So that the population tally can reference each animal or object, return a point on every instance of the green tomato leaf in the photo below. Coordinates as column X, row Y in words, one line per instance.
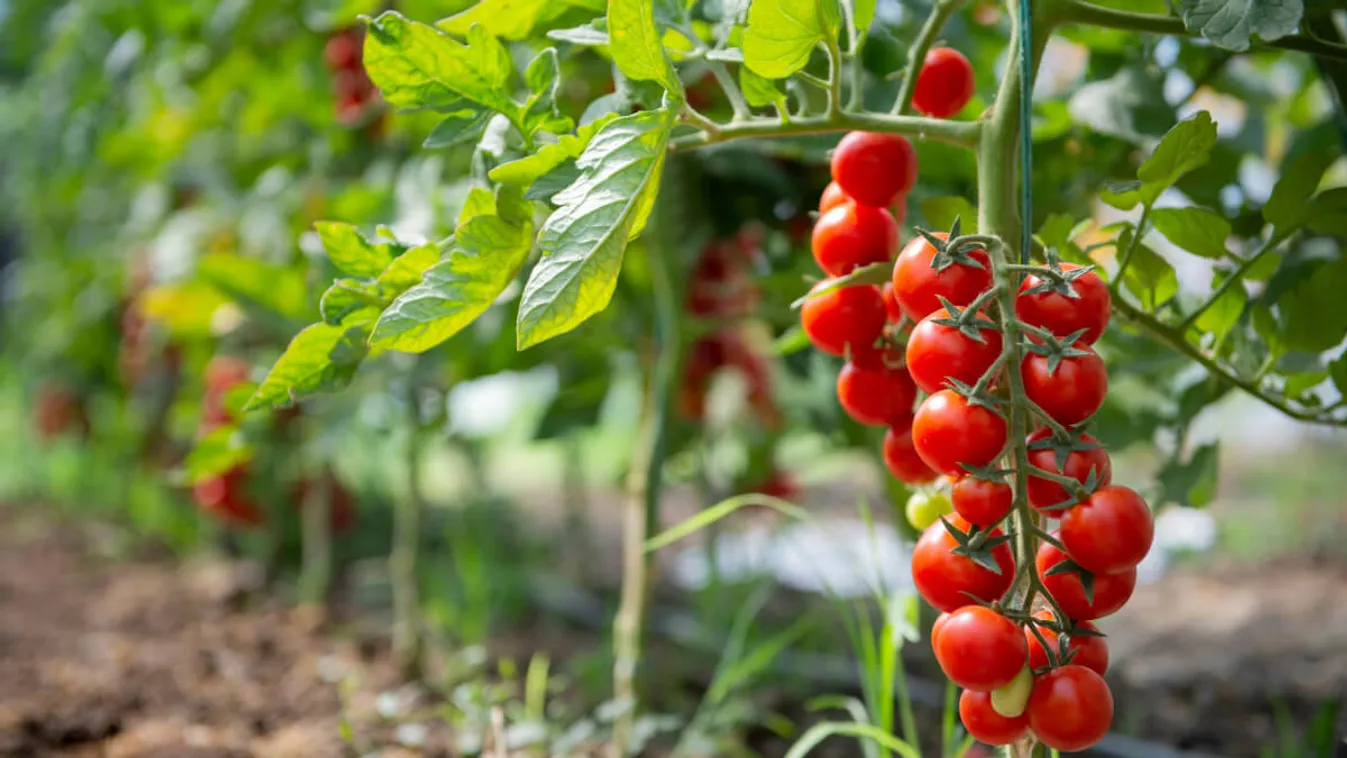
column 188, row 309
column 515, row 20
column 347, row 296
column 1328, row 212
column 1231, row 24
column 417, row 66
column 1224, row 313
column 545, row 187
column 1122, row 195
column 351, row 252
column 1338, row 371
column 1184, row 148
column 526, row 170
column 1149, row 276
column 636, row 45
column 862, row 14
column 321, row 358
column 1197, row 230
column 940, row 213
column 782, row 34
column 760, row 91
column 487, row 253
column 1288, row 206
column 583, row 241
column 1191, row 482
column 457, row 127
column 1314, row 312
column 250, row 281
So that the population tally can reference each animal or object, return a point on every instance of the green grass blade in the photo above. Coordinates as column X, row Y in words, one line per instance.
column 820, row 732
column 719, row 511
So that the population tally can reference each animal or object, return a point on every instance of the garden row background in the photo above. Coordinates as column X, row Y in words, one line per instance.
column 178, row 179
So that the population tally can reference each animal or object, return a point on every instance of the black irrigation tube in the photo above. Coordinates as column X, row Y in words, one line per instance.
column 583, row 608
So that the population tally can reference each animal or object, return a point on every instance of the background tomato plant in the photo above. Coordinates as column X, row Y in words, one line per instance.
column 388, row 214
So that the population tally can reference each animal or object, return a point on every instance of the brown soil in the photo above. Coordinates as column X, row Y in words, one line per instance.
column 141, row 659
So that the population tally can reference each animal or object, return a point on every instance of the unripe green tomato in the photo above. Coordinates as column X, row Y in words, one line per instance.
column 925, row 507
column 1010, row 700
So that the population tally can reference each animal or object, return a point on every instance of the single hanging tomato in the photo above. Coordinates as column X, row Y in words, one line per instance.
column 918, row 287
column 852, row 235
column 1110, row 531
column 1064, row 315
column 925, row 507
column 874, row 169
column 948, row 581
column 982, row 721
column 876, row 396
column 980, row 501
column 832, row 197
column 1073, row 392
column 948, row 432
column 979, row 649
column 944, row 85
column 844, row 318
column 937, row 625
column 1111, row 591
column 1088, row 650
column 901, row 457
column 936, row 352
column 1071, row 708
column 1044, row 493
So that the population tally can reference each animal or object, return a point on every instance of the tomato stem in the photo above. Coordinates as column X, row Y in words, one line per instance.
column 959, row 133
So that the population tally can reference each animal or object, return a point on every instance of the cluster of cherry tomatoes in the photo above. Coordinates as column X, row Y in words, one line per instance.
column 353, row 91
column 930, row 331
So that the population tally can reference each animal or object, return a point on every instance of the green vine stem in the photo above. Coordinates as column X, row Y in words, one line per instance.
column 916, row 55
column 407, row 648
column 1237, row 276
column 960, row 133
column 315, row 576
column 640, row 509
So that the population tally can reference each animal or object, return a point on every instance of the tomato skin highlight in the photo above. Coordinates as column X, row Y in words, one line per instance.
column 880, row 396
column 844, row 318
column 937, row 626
column 832, row 197
column 981, row 502
column 944, row 84
column 1111, row 591
column 918, row 287
column 947, row 432
column 942, row 578
column 1070, row 709
column 1072, row 393
column 985, row 724
column 1062, row 315
column 874, row 169
column 936, row 352
column 901, row 458
column 1089, row 651
column 1110, row 531
column 852, row 235
column 979, row 649
column 1044, row 493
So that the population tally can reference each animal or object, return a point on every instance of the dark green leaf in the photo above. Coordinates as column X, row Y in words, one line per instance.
column 486, row 254
column 321, row 358
column 1288, row 206
column 1314, row 311
column 1338, row 371
column 1224, row 313
column 545, row 187
column 1191, row 482
column 1150, row 277
column 1328, row 212
column 1197, row 230
column 636, row 46
column 1130, row 106
column 583, row 241
column 1184, row 148
column 417, row 66
column 460, row 126
column 782, row 34
column 940, row 213
column 1231, row 24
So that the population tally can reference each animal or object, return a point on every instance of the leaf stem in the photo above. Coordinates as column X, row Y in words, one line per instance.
column 406, row 538
column 1137, row 234
column 1275, row 240
column 916, row 55
column 834, row 76
column 960, row 133
column 1081, row 12
column 742, row 111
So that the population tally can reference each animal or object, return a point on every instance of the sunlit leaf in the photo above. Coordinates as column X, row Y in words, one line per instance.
column 528, row 169
column 514, row 19
column 636, row 46
column 278, row 289
column 782, row 34
column 1224, row 312
column 760, row 91
column 1184, row 148
column 351, row 252
column 1197, row 230
column 186, row 310
column 321, row 358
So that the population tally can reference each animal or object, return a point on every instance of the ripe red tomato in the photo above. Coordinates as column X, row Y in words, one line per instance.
column 226, row 496
column 1110, row 531
column 901, row 457
column 832, row 197
column 943, row 578
column 979, row 649
column 1079, row 463
column 1073, row 392
column 1111, row 591
column 1087, row 650
column 919, row 287
column 1063, row 315
column 844, row 318
column 342, row 51
column 891, row 307
column 948, row 432
column 936, row 352
column 874, row 169
column 852, row 235
column 980, row 501
column 937, row 626
column 876, row 396
column 985, row 724
column 945, row 84
column 1070, row 709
